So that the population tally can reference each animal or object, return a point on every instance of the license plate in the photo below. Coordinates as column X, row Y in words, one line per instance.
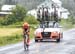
column 46, row 33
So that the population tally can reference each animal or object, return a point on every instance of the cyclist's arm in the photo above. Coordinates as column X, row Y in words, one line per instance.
column 23, row 30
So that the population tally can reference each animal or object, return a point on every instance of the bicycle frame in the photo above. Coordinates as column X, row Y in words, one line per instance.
column 25, row 41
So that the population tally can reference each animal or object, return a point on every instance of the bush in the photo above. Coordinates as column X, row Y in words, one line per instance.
column 1, row 21
column 14, row 38
column 71, row 19
column 31, row 20
column 66, row 24
column 10, row 39
column 18, row 14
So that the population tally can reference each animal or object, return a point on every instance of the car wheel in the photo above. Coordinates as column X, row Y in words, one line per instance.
column 62, row 35
column 58, row 40
column 41, row 40
column 36, row 40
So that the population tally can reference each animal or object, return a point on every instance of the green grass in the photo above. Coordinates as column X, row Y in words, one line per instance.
column 9, row 31
column 14, row 37
column 18, row 26
column 10, row 39
column 66, row 25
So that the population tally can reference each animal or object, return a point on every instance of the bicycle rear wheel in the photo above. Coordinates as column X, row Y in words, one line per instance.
column 26, row 46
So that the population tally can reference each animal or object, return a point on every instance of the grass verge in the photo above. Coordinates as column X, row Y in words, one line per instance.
column 66, row 25
column 14, row 37
column 10, row 39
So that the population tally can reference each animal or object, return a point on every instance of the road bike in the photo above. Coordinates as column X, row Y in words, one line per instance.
column 26, row 46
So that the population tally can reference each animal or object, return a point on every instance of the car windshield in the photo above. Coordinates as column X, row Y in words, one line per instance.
column 49, row 25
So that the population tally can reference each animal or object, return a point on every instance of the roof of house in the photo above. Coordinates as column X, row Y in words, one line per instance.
column 7, row 7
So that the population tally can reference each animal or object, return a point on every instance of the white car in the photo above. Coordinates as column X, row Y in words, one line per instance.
column 48, row 30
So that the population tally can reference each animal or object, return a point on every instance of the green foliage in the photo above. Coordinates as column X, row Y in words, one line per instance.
column 10, row 39
column 66, row 24
column 18, row 14
column 14, row 38
column 71, row 19
column 1, row 20
column 31, row 20
column 18, row 17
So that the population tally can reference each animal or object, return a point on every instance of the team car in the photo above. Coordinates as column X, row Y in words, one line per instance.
column 48, row 30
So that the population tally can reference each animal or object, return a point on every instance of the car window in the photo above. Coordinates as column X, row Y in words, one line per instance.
column 51, row 24
column 56, row 25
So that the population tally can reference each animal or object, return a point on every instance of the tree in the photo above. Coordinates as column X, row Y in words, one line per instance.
column 71, row 19
column 18, row 14
column 31, row 19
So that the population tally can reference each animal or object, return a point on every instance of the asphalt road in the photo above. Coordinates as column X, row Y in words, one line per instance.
column 66, row 46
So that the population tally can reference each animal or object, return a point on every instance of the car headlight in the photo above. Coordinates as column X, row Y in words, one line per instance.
column 55, row 32
column 38, row 34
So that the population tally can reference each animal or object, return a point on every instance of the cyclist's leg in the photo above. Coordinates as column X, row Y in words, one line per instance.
column 24, row 43
column 24, row 38
column 28, row 40
column 27, row 43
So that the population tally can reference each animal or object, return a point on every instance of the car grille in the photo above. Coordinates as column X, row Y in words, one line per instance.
column 46, row 34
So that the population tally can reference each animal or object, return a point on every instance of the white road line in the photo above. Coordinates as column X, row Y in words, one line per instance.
column 21, row 50
column 13, row 46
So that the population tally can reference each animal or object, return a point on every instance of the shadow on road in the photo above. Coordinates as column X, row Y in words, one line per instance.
column 26, row 52
column 47, row 42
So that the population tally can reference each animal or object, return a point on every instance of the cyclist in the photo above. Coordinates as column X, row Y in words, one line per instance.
column 26, row 30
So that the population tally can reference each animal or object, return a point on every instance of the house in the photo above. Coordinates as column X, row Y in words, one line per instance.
column 6, row 10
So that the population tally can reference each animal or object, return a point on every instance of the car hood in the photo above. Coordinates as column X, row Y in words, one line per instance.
column 48, row 30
